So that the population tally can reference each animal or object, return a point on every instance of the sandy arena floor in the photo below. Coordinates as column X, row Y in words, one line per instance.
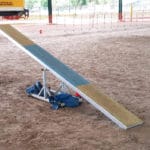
column 118, row 62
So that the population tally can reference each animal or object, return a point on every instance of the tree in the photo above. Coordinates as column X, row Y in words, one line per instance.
column 78, row 2
column 30, row 3
column 83, row 2
column 75, row 2
column 44, row 3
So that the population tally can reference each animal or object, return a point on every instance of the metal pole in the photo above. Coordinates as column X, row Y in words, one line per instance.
column 131, row 12
column 44, row 83
column 120, row 11
column 50, row 15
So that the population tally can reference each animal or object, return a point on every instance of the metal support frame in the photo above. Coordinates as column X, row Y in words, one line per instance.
column 46, row 92
column 63, row 88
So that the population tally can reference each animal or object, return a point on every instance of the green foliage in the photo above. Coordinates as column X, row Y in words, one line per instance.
column 30, row 3
column 86, row 2
column 44, row 3
column 74, row 2
column 104, row 1
column 83, row 2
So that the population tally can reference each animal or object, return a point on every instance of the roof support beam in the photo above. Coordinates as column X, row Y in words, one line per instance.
column 50, row 11
column 120, row 16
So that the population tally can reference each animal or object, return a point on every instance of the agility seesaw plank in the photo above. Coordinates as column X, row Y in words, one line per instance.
column 112, row 109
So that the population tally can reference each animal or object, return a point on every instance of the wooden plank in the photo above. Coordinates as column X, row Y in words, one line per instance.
column 115, row 109
column 16, row 35
column 57, row 66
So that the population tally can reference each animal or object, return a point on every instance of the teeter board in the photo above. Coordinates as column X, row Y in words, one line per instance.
column 112, row 109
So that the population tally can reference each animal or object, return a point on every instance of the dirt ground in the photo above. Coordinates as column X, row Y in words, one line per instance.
column 118, row 62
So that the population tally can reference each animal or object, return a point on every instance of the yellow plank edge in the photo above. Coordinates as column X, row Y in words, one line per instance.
column 114, row 108
column 16, row 35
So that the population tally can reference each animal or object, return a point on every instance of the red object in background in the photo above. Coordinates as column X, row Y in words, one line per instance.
column 40, row 31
